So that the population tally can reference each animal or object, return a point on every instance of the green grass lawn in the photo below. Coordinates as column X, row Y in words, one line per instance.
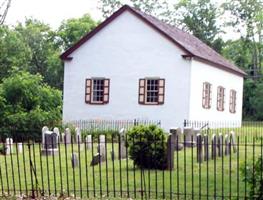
column 55, row 175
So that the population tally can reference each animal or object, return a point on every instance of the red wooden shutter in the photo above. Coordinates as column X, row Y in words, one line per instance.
column 88, row 90
column 209, row 95
column 161, row 88
column 141, row 91
column 204, row 96
column 106, row 92
column 223, row 100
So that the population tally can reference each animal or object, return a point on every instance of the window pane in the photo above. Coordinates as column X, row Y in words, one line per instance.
column 98, row 90
column 152, row 90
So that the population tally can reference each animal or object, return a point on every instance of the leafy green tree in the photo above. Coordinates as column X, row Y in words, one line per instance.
column 248, row 95
column 247, row 19
column 71, row 30
column 157, row 8
column 27, row 103
column 200, row 19
column 257, row 102
column 14, row 52
column 40, row 39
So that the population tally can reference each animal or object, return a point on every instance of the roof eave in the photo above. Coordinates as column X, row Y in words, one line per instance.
column 223, row 67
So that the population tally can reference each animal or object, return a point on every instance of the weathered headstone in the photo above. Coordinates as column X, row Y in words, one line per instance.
column 102, row 147
column 188, row 134
column 96, row 159
column 122, row 145
column 62, row 140
column 19, row 147
column 44, row 130
column 74, row 160
column 199, row 145
column 78, row 138
column 89, row 141
column 50, row 145
column 195, row 132
column 220, row 144
column 9, row 146
column 233, row 141
column 56, row 130
column 214, row 146
column 176, row 138
column 67, row 139
column 170, row 152
column 206, row 148
column 227, row 145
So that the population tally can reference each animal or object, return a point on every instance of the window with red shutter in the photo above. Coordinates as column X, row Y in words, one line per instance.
column 207, row 95
column 232, row 101
column 151, row 91
column 220, row 98
column 97, row 91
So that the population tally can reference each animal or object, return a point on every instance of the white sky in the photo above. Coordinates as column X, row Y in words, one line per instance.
column 54, row 11
column 51, row 11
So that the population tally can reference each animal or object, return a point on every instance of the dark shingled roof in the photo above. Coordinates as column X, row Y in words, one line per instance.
column 189, row 43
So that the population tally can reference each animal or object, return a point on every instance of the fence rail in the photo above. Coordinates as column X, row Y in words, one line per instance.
column 25, row 168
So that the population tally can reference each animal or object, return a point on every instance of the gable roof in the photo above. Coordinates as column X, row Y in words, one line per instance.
column 193, row 47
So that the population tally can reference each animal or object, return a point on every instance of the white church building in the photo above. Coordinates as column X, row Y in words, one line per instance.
column 134, row 66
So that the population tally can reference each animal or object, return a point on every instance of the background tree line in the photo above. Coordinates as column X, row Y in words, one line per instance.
column 29, row 52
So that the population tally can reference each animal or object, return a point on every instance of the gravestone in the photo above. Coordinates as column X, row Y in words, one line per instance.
column 89, row 141
column 206, row 148
column 9, row 146
column 214, row 146
column 44, row 130
column 199, row 145
column 67, row 139
column 74, row 160
column 170, row 152
column 78, row 138
column 50, row 145
column 220, row 144
column 102, row 147
column 195, row 132
column 177, row 138
column 122, row 145
column 227, row 145
column 19, row 147
column 96, row 159
column 56, row 130
column 62, row 139
column 233, row 141
column 188, row 133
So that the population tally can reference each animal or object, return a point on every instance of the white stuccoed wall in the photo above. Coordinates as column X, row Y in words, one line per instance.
column 201, row 72
column 124, row 51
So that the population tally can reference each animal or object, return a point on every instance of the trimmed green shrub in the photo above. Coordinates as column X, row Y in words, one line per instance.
column 253, row 176
column 147, row 146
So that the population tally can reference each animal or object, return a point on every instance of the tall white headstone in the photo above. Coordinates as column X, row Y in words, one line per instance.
column 89, row 141
column 67, row 136
column 122, row 145
column 56, row 130
column 78, row 138
column 44, row 130
column 9, row 146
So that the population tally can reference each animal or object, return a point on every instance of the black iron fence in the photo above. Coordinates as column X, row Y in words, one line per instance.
column 202, row 164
